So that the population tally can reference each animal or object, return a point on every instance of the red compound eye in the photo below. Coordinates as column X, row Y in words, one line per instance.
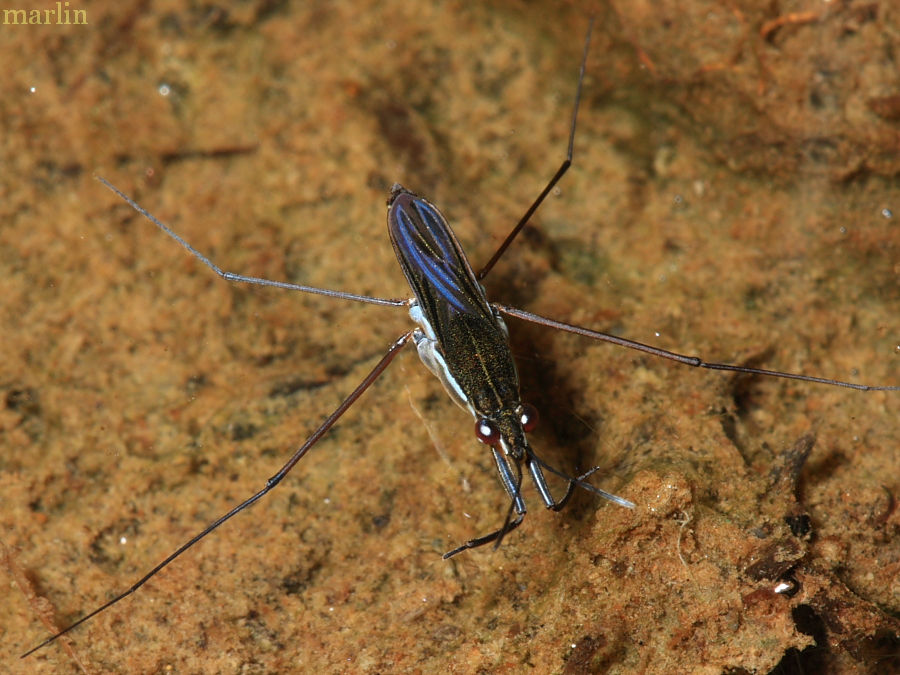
column 487, row 432
column 528, row 416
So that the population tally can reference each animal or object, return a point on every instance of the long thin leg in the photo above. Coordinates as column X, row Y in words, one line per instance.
column 488, row 538
column 694, row 361
column 509, row 481
column 513, row 486
column 231, row 276
column 534, row 468
column 270, row 484
column 559, row 172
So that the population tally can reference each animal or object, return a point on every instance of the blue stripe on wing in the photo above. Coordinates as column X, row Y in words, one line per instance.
column 428, row 245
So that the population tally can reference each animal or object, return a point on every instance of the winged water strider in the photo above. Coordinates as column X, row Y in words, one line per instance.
column 463, row 340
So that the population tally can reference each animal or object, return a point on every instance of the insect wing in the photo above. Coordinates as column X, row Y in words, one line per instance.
column 432, row 260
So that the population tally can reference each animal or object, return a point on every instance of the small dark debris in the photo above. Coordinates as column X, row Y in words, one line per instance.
column 197, row 464
column 194, row 384
column 266, row 9
column 105, row 547
column 787, row 586
column 584, row 657
column 24, row 401
column 170, row 24
column 773, row 562
column 619, row 568
column 297, row 581
column 241, row 431
column 800, row 524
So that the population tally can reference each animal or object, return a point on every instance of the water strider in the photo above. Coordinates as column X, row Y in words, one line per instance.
column 462, row 338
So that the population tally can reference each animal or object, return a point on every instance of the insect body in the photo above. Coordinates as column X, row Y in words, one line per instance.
column 463, row 340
